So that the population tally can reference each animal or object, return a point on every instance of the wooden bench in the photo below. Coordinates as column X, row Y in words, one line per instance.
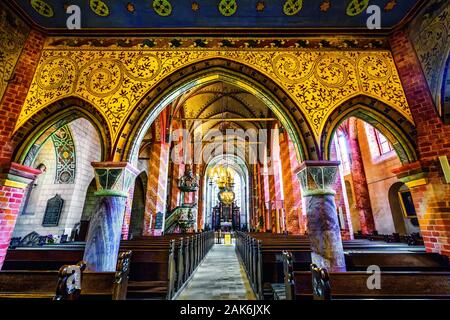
column 397, row 261
column 262, row 257
column 71, row 282
column 159, row 266
column 318, row 284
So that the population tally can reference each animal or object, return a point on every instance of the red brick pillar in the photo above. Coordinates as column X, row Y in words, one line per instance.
column 16, row 92
column 175, row 192
column 430, row 193
column 362, row 196
column 157, row 187
column 266, row 198
column 341, row 198
column 291, row 186
column 199, row 196
column 127, row 215
column 14, row 179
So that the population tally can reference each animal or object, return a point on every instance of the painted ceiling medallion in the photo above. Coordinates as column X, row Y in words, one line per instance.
column 292, row 7
column 260, row 6
column 99, row 7
column 195, row 6
column 162, row 7
column 325, row 6
column 43, row 8
column 356, row 7
column 131, row 8
column 390, row 5
column 227, row 7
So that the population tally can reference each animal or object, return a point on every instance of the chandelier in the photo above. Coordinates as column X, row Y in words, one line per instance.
column 226, row 197
column 223, row 178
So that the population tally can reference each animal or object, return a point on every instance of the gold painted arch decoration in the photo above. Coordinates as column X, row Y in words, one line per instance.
column 115, row 80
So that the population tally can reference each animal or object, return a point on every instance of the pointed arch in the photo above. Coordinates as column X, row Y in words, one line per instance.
column 210, row 71
column 400, row 132
column 29, row 138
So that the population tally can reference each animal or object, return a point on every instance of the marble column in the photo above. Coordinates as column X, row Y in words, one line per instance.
column 316, row 179
column 14, row 180
column 113, row 180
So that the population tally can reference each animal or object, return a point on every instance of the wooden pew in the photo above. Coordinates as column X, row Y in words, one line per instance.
column 397, row 261
column 262, row 256
column 63, row 284
column 154, row 271
column 318, row 284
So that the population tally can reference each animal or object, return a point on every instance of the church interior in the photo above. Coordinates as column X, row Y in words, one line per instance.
column 224, row 150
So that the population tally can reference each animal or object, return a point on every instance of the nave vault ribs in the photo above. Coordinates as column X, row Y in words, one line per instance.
column 114, row 80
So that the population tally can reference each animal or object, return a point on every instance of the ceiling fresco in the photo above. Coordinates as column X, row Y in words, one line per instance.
column 163, row 14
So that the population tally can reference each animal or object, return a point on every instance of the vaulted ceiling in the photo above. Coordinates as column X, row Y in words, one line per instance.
column 205, row 14
column 211, row 107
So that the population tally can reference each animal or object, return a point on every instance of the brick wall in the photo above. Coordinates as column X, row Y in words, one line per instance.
column 16, row 91
column 432, row 201
column 10, row 200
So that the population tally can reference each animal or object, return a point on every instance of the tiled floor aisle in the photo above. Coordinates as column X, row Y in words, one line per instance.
column 219, row 277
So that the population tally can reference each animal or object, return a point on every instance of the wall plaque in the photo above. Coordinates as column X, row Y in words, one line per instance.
column 53, row 211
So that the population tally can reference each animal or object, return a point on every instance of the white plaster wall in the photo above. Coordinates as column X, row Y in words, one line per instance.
column 87, row 148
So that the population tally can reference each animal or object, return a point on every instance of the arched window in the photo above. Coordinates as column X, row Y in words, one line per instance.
column 383, row 144
column 379, row 145
column 344, row 153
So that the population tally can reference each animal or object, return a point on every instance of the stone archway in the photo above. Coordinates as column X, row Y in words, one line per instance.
column 400, row 132
column 29, row 138
column 209, row 71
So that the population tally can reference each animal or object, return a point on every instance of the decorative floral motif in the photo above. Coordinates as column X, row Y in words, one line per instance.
column 43, row 8
column 99, row 7
column 162, row 7
column 356, row 7
column 430, row 36
column 13, row 33
column 227, row 7
column 292, row 7
column 65, row 156
column 115, row 80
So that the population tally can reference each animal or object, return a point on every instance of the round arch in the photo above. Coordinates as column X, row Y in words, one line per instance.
column 400, row 132
column 206, row 72
column 28, row 139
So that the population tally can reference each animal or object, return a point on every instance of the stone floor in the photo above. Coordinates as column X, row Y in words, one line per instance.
column 221, row 276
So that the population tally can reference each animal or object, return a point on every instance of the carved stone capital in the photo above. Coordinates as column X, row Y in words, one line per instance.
column 114, row 178
column 318, row 177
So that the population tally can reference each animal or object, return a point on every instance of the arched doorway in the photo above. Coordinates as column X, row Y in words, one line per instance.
column 402, row 209
column 138, row 206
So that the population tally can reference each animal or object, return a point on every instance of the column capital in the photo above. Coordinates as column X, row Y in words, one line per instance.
column 318, row 177
column 15, row 175
column 114, row 179
column 413, row 174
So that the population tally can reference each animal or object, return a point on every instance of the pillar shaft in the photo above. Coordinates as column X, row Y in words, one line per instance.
column 157, row 187
column 105, row 229
column 324, row 233
column 292, row 202
column 127, row 214
column 362, row 196
column 341, row 195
